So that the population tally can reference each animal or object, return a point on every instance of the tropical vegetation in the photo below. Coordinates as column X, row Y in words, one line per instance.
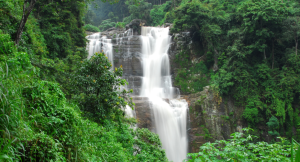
column 55, row 104
column 50, row 102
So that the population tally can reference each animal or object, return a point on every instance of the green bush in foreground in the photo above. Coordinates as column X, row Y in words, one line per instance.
column 91, row 28
column 241, row 148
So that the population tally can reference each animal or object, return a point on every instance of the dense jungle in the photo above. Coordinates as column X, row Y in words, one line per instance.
column 57, row 105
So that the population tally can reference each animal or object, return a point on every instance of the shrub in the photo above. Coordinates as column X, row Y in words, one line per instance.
column 241, row 148
column 120, row 25
column 91, row 28
column 106, row 24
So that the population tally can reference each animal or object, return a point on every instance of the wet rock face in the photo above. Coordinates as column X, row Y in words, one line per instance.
column 212, row 118
column 180, row 41
column 143, row 112
column 127, row 52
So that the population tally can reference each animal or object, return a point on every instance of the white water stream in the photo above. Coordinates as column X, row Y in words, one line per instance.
column 95, row 43
column 170, row 114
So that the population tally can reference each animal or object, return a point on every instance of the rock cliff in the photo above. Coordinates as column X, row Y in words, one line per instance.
column 212, row 117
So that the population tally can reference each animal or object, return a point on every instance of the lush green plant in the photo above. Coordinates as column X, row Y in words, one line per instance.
column 91, row 28
column 96, row 88
column 241, row 148
column 63, row 31
column 127, row 19
column 158, row 12
column 273, row 124
column 190, row 77
column 120, row 25
column 106, row 24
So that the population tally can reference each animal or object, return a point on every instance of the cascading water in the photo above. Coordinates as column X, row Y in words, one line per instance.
column 99, row 44
column 94, row 44
column 170, row 114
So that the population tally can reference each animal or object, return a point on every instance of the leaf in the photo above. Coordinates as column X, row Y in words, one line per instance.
column 297, row 159
column 4, row 156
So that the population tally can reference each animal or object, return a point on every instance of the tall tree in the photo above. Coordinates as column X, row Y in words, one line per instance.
column 26, row 12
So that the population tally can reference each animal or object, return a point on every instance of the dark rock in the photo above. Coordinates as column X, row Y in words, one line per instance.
column 143, row 112
column 110, row 29
column 136, row 25
column 212, row 118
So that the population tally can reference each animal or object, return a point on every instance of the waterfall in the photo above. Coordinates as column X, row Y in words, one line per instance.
column 100, row 44
column 94, row 44
column 170, row 113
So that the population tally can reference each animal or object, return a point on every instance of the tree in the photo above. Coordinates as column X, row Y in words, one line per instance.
column 207, row 19
column 26, row 13
column 273, row 124
column 262, row 24
column 97, row 89
column 292, row 30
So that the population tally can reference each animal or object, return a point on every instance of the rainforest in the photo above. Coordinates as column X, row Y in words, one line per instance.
column 149, row 80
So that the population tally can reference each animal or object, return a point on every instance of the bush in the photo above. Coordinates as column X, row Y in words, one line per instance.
column 241, row 148
column 106, row 24
column 120, row 25
column 91, row 28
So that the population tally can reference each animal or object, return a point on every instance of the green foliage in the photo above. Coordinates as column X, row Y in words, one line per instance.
column 96, row 89
column 100, row 11
column 190, row 77
column 273, row 124
column 149, row 142
column 63, row 31
column 15, row 72
column 106, row 24
column 140, row 11
column 6, row 46
column 120, row 25
column 241, row 148
column 297, row 153
column 250, row 114
column 91, row 28
column 38, row 123
column 36, row 46
column 252, row 47
column 10, row 14
column 158, row 12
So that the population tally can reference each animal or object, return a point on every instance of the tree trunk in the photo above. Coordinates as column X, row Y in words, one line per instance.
column 216, row 56
column 265, row 54
column 26, row 13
